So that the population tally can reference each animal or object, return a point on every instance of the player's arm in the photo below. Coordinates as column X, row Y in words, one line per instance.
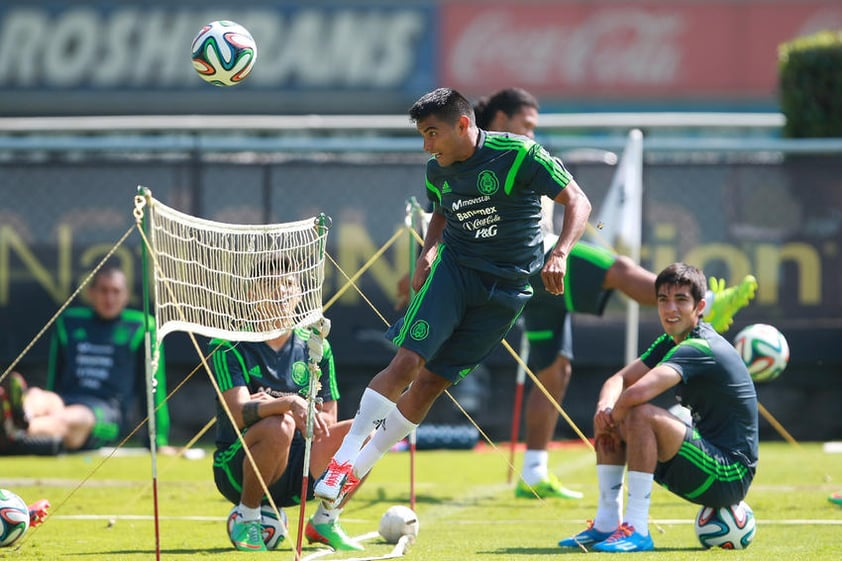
column 428, row 252
column 650, row 385
column 611, row 391
column 577, row 210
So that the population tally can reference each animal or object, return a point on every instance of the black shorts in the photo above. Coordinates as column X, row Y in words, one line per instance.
column 108, row 423
column 548, row 329
column 458, row 317
column 286, row 491
column 703, row 474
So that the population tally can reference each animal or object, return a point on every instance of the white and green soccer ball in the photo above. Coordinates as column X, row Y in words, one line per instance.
column 764, row 351
column 14, row 517
column 730, row 527
column 224, row 53
column 398, row 521
column 274, row 529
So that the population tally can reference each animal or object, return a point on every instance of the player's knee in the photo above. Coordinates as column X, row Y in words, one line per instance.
column 404, row 368
column 640, row 416
column 275, row 429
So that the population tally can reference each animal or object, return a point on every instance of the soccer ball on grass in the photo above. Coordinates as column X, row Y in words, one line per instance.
column 730, row 527
column 764, row 351
column 398, row 521
column 224, row 53
column 14, row 517
column 274, row 529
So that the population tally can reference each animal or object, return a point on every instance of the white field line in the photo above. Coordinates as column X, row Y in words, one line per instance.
column 371, row 535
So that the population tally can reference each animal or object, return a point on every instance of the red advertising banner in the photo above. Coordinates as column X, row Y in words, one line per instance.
column 621, row 49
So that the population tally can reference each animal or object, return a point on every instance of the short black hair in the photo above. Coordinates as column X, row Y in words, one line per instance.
column 444, row 103
column 680, row 274
column 109, row 268
column 273, row 266
column 507, row 100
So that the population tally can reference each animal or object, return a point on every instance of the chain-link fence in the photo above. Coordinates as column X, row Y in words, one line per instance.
column 772, row 213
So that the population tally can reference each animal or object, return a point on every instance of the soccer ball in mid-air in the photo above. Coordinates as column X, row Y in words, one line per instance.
column 224, row 53
column 14, row 517
column 730, row 527
column 274, row 528
column 764, row 350
column 398, row 521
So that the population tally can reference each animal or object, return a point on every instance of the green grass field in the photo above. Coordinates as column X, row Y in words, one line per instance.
column 102, row 509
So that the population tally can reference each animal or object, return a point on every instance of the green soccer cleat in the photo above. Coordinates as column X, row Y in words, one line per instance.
column 548, row 488
column 247, row 535
column 15, row 387
column 728, row 301
column 332, row 534
column 836, row 498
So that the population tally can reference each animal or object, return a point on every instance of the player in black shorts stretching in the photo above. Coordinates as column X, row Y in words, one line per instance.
column 472, row 279
column 712, row 462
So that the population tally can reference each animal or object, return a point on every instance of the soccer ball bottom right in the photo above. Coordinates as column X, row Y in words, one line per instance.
column 730, row 527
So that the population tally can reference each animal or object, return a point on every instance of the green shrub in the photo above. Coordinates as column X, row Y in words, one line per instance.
column 810, row 75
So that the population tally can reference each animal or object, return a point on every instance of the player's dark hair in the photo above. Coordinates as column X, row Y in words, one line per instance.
column 508, row 100
column 682, row 274
column 273, row 266
column 109, row 268
column 445, row 103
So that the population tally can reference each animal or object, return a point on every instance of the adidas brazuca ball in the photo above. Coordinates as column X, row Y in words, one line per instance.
column 730, row 527
column 14, row 517
column 398, row 521
column 764, row 351
column 274, row 528
column 224, row 53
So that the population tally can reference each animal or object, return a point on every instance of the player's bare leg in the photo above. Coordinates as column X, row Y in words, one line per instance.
column 632, row 280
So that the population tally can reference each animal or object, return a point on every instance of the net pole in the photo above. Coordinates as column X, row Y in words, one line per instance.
column 312, row 390
column 411, row 213
column 520, row 381
column 150, row 373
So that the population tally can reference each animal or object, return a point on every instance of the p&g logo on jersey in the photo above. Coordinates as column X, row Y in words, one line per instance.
column 487, row 182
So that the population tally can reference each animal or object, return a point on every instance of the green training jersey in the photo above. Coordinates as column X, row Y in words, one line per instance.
column 492, row 203
column 260, row 368
column 106, row 359
column 716, row 387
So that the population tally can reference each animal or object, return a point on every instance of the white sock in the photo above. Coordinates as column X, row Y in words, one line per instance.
column 374, row 407
column 326, row 515
column 535, row 466
column 640, row 493
column 248, row 512
column 609, row 510
column 390, row 432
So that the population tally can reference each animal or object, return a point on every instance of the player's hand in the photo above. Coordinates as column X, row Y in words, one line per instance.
column 553, row 274
column 298, row 410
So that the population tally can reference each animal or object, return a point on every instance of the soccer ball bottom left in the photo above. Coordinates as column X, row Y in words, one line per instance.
column 14, row 517
column 730, row 527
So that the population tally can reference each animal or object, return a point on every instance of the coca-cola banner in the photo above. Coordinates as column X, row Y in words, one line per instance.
column 622, row 49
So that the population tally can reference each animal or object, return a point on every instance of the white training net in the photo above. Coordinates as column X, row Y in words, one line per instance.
column 234, row 281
